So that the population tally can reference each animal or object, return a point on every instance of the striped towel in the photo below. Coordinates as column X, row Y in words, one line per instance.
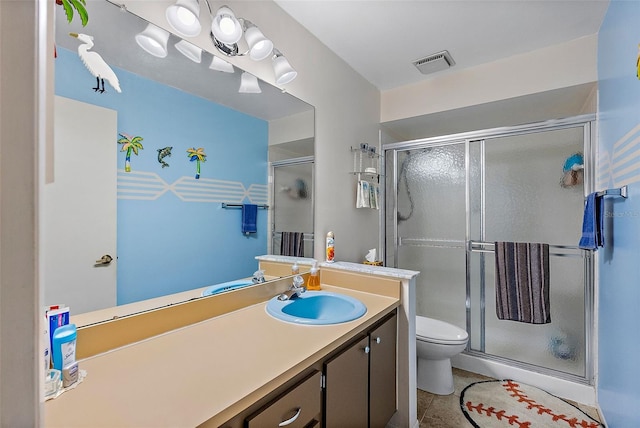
column 292, row 244
column 522, row 282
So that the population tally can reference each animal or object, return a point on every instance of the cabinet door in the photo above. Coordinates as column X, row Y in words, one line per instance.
column 347, row 398
column 382, row 378
column 300, row 407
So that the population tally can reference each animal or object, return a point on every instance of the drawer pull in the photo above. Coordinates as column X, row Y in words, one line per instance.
column 378, row 340
column 292, row 420
column 367, row 349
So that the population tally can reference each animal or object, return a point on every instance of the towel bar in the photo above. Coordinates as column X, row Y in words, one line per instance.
column 620, row 191
column 479, row 249
column 226, row 205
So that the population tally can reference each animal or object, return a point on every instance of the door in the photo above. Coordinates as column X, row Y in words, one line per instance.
column 347, row 387
column 79, row 208
column 517, row 195
column 382, row 373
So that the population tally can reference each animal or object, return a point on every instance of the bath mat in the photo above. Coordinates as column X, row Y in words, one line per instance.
column 507, row 403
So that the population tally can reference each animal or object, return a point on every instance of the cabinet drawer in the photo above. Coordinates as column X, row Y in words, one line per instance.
column 297, row 408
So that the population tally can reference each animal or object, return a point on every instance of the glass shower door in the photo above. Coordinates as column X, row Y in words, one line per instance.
column 517, row 196
column 429, row 212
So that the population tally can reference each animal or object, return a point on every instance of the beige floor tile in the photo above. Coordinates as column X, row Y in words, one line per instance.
column 424, row 401
column 445, row 412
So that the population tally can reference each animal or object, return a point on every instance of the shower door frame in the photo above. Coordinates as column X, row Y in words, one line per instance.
column 589, row 259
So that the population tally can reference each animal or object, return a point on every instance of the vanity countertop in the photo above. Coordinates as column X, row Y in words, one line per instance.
column 208, row 371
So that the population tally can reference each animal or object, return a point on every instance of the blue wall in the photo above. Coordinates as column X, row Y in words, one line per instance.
column 618, row 164
column 176, row 237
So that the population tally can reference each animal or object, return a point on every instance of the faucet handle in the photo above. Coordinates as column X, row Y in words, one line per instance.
column 258, row 277
column 298, row 281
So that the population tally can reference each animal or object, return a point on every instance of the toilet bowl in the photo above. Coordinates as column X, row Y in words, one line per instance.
column 437, row 341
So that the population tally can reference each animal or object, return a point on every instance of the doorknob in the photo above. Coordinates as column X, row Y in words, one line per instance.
column 104, row 260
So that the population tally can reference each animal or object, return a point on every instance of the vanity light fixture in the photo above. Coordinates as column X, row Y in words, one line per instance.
column 219, row 64
column 226, row 32
column 259, row 46
column 183, row 16
column 153, row 40
column 249, row 84
column 189, row 50
column 225, row 27
column 283, row 70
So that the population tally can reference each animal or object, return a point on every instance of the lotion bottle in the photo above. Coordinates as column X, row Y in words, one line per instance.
column 313, row 283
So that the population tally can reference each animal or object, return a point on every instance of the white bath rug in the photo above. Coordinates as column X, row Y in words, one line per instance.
column 507, row 403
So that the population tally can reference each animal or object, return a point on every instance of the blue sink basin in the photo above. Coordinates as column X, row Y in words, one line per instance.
column 317, row 308
column 226, row 286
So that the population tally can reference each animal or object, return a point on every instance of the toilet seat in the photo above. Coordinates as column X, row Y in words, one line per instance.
column 436, row 331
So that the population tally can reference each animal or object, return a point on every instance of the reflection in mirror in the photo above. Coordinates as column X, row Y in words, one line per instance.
column 140, row 175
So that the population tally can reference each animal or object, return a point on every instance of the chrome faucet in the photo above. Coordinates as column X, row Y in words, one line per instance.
column 295, row 290
column 258, row 277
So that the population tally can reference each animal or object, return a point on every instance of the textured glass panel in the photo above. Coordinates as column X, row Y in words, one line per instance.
column 524, row 199
column 558, row 345
column 431, row 193
column 441, row 286
column 525, row 202
column 431, row 209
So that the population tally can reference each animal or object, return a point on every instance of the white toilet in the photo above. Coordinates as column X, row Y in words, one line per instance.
column 437, row 342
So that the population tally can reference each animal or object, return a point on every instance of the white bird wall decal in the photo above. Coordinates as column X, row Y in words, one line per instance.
column 97, row 66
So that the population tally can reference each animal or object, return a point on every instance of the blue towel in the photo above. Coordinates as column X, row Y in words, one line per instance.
column 592, row 223
column 249, row 218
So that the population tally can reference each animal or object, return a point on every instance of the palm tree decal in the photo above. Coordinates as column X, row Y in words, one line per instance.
column 198, row 156
column 130, row 144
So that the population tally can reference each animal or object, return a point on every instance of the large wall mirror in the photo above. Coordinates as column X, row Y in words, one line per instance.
column 143, row 169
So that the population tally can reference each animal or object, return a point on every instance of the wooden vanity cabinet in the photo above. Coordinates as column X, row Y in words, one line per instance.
column 354, row 387
column 360, row 382
column 382, row 372
column 346, row 383
column 298, row 408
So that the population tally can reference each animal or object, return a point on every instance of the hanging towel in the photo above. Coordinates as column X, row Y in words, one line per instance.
column 522, row 282
column 249, row 218
column 592, row 223
column 292, row 244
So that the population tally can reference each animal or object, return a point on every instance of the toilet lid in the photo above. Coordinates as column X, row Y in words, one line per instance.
column 439, row 331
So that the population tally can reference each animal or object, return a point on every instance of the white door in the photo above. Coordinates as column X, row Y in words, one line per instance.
column 79, row 208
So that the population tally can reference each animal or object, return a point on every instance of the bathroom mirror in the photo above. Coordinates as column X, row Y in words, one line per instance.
column 181, row 142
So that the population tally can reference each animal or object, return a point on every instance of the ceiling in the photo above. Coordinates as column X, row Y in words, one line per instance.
column 380, row 39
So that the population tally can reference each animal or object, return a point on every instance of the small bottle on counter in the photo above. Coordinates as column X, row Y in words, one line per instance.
column 330, row 247
column 295, row 269
column 313, row 283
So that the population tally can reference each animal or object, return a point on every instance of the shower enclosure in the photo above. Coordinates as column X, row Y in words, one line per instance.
column 448, row 199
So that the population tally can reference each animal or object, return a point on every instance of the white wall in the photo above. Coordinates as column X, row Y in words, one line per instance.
column 347, row 113
column 568, row 64
column 20, row 130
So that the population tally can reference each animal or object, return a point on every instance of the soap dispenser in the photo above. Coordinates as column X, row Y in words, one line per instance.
column 295, row 269
column 313, row 283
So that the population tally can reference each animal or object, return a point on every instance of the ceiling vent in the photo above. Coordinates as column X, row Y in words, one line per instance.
column 436, row 62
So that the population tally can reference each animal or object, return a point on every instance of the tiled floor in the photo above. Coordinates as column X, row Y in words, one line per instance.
column 443, row 411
